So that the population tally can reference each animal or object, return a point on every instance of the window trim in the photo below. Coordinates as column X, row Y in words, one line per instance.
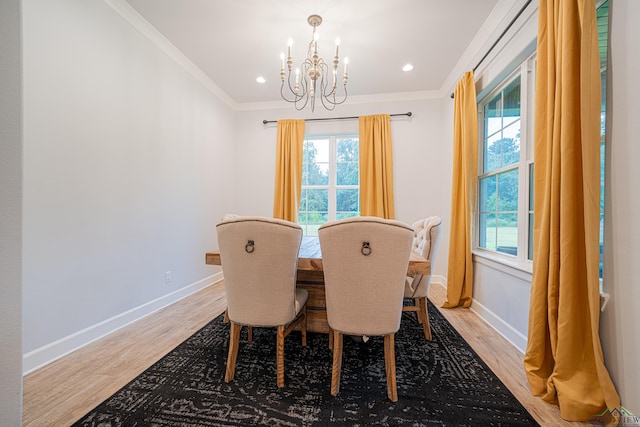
column 526, row 71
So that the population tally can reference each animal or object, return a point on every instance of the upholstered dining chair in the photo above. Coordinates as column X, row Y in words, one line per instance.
column 259, row 260
column 226, row 217
column 365, row 263
column 426, row 234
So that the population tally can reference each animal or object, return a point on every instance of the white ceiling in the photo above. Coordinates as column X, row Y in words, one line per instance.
column 235, row 41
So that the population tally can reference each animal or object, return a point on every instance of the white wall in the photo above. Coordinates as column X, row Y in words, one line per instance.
column 10, row 214
column 126, row 173
column 419, row 171
column 619, row 322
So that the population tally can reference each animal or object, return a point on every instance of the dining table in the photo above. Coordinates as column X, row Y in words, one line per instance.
column 310, row 276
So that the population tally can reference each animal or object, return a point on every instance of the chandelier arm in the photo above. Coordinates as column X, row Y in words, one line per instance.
column 303, row 96
column 329, row 107
column 295, row 99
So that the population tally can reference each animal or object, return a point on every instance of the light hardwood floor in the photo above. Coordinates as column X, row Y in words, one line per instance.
column 63, row 391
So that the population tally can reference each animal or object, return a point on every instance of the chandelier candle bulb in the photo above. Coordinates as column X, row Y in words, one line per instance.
column 312, row 77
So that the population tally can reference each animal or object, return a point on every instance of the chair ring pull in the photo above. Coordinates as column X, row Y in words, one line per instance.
column 249, row 247
column 366, row 249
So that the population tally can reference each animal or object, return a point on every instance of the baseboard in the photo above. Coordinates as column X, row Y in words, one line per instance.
column 507, row 331
column 439, row 280
column 515, row 338
column 48, row 353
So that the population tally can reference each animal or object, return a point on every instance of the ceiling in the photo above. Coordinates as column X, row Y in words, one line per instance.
column 235, row 41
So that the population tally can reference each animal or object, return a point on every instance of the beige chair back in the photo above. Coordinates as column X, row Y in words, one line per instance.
column 365, row 263
column 426, row 235
column 259, row 260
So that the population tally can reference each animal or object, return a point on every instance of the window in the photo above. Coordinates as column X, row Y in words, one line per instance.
column 602, row 17
column 330, row 180
column 505, row 194
column 505, row 178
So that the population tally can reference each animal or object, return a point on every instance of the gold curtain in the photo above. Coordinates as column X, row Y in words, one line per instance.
column 286, row 200
column 564, row 361
column 463, row 193
column 376, row 166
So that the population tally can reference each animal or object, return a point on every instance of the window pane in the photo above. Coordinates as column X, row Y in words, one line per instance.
column 602, row 15
column 508, row 190
column 511, row 144
column 347, row 150
column 488, row 194
column 317, row 200
column 315, row 166
column 487, row 232
column 494, row 109
column 347, row 201
column 347, row 173
column 493, row 152
column 312, row 223
column 530, row 253
column 511, row 110
column 507, row 234
column 502, row 128
column 313, row 210
column 347, row 162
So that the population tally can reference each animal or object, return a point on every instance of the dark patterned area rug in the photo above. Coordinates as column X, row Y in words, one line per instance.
column 440, row 382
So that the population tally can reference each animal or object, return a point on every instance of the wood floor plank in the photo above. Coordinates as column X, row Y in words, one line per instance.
column 63, row 391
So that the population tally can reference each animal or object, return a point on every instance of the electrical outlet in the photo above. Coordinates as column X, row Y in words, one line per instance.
column 167, row 277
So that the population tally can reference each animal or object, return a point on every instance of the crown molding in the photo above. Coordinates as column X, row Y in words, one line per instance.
column 137, row 21
column 352, row 100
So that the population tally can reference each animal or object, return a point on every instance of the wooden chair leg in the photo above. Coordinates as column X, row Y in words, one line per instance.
column 416, row 302
column 390, row 366
column 234, row 341
column 337, row 363
column 425, row 319
column 226, row 316
column 280, row 356
column 330, row 339
column 249, row 333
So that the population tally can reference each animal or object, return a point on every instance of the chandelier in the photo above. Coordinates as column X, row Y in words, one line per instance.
column 312, row 78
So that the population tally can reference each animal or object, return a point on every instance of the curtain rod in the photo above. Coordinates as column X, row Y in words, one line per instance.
column 515, row 18
column 339, row 118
